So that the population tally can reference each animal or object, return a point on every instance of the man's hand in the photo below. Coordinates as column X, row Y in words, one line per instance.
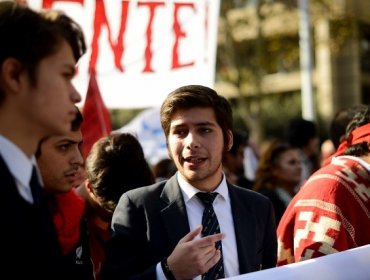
column 192, row 257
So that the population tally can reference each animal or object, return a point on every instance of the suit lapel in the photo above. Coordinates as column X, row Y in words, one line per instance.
column 175, row 220
column 245, row 224
column 8, row 186
column 174, row 216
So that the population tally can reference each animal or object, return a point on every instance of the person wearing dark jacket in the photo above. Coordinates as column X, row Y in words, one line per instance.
column 161, row 231
column 38, row 54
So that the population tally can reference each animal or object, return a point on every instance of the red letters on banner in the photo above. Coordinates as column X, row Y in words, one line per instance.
column 47, row 4
column 118, row 45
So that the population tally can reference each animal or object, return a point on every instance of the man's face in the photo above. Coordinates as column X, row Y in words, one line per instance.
column 49, row 106
column 60, row 161
column 196, row 145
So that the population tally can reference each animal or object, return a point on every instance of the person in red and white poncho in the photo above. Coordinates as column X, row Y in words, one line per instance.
column 331, row 212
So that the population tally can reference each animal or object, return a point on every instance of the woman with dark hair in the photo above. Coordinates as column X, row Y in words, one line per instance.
column 115, row 165
column 278, row 174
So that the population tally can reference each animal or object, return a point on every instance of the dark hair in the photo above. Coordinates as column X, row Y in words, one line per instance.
column 191, row 96
column 340, row 121
column 30, row 36
column 361, row 118
column 115, row 165
column 300, row 131
column 265, row 177
column 164, row 168
column 75, row 126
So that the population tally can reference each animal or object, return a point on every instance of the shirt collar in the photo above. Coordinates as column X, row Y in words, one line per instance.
column 19, row 164
column 189, row 191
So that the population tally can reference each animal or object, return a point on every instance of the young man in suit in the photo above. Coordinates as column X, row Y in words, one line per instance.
column 38, row 53
column 157, row 229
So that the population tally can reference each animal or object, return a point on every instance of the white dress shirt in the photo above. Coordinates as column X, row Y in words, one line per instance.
column 20, row 167
column 222, row 207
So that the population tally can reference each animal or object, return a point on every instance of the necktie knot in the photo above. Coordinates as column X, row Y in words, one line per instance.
column 207, row 198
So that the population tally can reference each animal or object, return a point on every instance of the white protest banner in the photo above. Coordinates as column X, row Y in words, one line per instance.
column 146, row 126
column 345, row 265
column 143, row 49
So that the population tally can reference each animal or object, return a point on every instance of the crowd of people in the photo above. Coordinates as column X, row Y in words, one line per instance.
column 194, row 215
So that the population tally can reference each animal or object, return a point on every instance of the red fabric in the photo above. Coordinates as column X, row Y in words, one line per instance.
column 97, row 121
column 330, row 213
column 98, row 226
column 99, row 230
column 358, row 135
column 67, row 212
column 47, row 4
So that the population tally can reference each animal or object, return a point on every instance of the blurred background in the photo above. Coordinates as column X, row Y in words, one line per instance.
column 258, row 60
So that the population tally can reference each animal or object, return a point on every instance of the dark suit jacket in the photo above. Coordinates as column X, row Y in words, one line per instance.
column 29, row 244
column 149, row 222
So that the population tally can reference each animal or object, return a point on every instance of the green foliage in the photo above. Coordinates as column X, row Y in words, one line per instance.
column 275, row 112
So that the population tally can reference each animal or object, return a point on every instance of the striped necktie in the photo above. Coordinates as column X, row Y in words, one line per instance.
column 211, row 226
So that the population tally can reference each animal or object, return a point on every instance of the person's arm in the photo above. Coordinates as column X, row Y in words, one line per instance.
column 316, row 222
column 191, row 257
column 326, row 224
column 128, row 252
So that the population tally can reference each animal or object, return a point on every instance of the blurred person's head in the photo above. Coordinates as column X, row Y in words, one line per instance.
column 341, row 119
column 327, row 150
column 279, row 166
column 115, row 165
column 233, row 160
column 357, row 138
column 164, row 169
column 303, row 134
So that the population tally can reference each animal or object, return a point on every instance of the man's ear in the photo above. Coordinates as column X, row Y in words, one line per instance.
column 11, row 75
column 88, row 186
column 91, row 193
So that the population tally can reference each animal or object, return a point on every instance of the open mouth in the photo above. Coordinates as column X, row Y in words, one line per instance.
column 194, row 162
